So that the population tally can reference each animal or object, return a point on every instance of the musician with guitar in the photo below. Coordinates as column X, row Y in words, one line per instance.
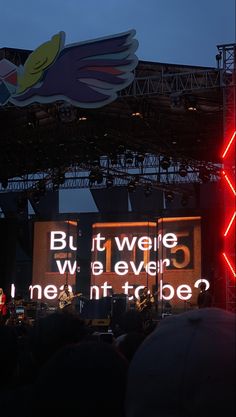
column 65, row 298
column 144, row 304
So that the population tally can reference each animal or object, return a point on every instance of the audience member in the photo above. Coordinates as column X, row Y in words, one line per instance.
column 128, row 343
column 86, row 379
column 53, row 332
column 185, row 368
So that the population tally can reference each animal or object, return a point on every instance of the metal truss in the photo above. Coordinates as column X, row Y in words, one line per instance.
column 228, row 82
column 145, row 173
column 167, row 84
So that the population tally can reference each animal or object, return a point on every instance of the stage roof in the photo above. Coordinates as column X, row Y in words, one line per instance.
column 173, row 110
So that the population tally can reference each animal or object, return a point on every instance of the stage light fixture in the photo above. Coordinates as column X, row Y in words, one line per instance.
column 96, row 175
column 32, row 121
column 129, row 158
column 204, row 174
column 136, row 114
column 165, row 162
column 140, row 158
column 183, row 171
column 191, row 103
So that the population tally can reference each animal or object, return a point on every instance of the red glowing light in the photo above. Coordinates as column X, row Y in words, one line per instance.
column 230, row 223
column 229, row 182
column 229, row 264
column 227, row 175
column 229, row 144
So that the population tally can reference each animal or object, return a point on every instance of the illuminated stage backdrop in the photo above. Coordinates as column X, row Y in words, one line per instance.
column 164, row 255
column 54, row 258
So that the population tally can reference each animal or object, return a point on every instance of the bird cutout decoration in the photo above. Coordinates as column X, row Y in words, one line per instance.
column 85, row 74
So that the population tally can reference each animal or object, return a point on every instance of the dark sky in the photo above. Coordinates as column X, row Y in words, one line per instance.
column 172, row 31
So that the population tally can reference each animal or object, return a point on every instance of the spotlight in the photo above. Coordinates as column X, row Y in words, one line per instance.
column 204, row 174
column 32, row 121
column 136, row 114
column 183, row 172
column 165, row 163
column 191, row 103
column 140, row 158
column 129, row 158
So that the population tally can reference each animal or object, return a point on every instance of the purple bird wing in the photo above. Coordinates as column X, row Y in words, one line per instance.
column 87, row 74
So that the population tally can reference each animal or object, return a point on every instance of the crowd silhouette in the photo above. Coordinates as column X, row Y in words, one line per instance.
column 184, row 365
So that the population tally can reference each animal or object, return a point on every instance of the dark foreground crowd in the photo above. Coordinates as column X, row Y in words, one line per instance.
column 183, row 367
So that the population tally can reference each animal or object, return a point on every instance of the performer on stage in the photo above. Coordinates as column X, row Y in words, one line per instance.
column 65, row 298
column 144, row 304
column 3, row 307
column 204, row 297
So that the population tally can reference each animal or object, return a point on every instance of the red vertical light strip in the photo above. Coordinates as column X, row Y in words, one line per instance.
column 231, row 193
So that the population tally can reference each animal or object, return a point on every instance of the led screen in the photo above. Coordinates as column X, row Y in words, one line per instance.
column 164, row 255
